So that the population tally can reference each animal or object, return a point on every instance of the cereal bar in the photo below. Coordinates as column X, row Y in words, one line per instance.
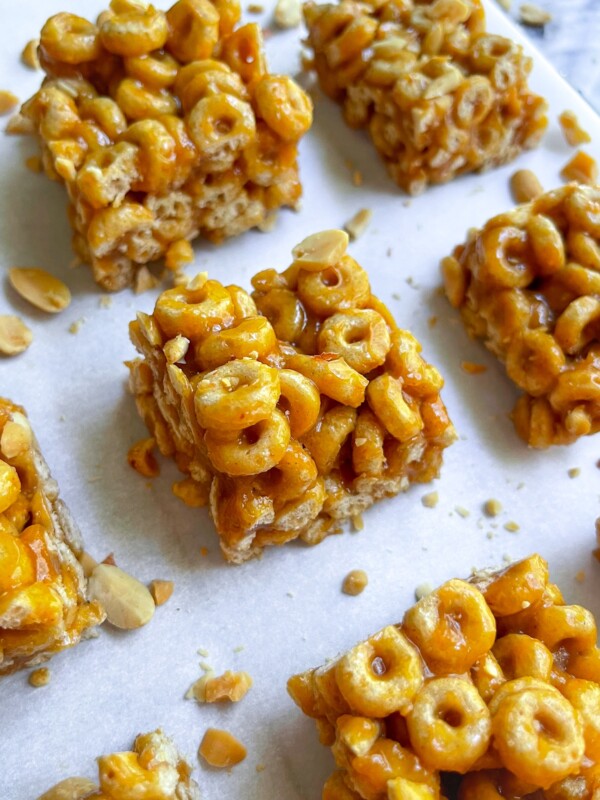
column 153, row 769
column 291, row 410
column 164, row 126
column 528, row 283
column 438, row 94
column 494, row 679
column 43, row 606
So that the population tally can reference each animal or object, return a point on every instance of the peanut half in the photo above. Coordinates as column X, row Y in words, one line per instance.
column 127, row 602
column 40, row 288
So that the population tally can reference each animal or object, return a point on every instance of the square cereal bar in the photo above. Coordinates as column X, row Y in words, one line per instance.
column 164, row 126
column 494, row 679
column 152, row 770
column 291, row 410
column 528, row 284
column 438, row 94
column 43, row 606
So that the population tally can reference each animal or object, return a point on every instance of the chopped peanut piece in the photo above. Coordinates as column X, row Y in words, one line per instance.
column 127, row 602
column 175, row 349
column 29, row 55
column 70, row 789
column 572, row 130
column 255, row 8
column 525, row 186
column 179, row 253
column 288, row 13
column 581, row 168
column 534, row 16
column 145, row 280
column 39, row 677
column 359, row 223
column 355, row 582
column 40, row 288
column 19, row 125
column 88, row 563
column 506, row 4
column 141, row 457
column 430, row 500
column 230, row 686
column 471, row 368
column 574, row 472
column 15, row 336
column 8, row 101
column 34, row 163
column 161, row 591
column 492, row 508
column 512, row 527
column 321, row 250
column 221, row 749
column 423, row 590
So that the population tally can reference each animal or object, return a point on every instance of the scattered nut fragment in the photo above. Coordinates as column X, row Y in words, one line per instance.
column 471, row 368
column 574, row 472
column 39, row 677
column 580, row 576
column 16, row 437
column 430, row 500
column 572, row 131
column 581, row 168
column 175, row 349
column 179, row 253
column 8, row 101
column 34, row 163
column 228, row 687
column 15, row 336
column 534, row 16
column 109, row 559
column 512, row 527
column 355, row 582
column 492, row 507
column 127, row 602
column 423, row 589
column 288, row 13
column 105, row 301
column 19, row 125
column 40, row 288
column 29, row 54
column 358, row 522
column 525, row 186
column 197, row 690
column 462, row 511
column 359, row 223
column 321, row 250
column 506, row 4
column 141, row 458
column 75, row 327
column 70, row 789
column 144, row 280
column 255, row 8
column 357, row 178
column 161, row 591
column 221, row 749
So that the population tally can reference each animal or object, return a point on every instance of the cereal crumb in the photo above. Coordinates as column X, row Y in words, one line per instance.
column 18, row 125
column 288, row 13
column 105, row 302
column 508, row 559
column 520, row 485
column 8, row 101
column 29, row 55
column 221, row 749
column 357, row 178
column 492, row 507
column 161, row 591
column 574, row 472
column 204, row 552
column 572, row 131
column 423, row 589
column 355, row 582
column 512, row 527
column 407, row 203
column 506, row 4
column 290, row 594
column 462, row 511
column 34, row 164
column 229, row 687
column 202, row 651
column 140, row 457
column 472, row 368
column 534, row 16
column 489, row 535
column 255, row 8
column 75, row 327
column 388, row 252
column 144, row 280
column 39, row 677
column 239, row 648
column 396, row 296
column 431, row 499
column 580, row 576
column 432, row 321
column 358, row 522
column 581, row 168
column 260, row 768
column 359, row 223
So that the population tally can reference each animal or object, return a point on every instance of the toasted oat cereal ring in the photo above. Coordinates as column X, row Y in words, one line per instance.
column 517, row 587
column 453, row 627
column 360, row 336
column 522, row 656
column 221, row 122
column 294, row 474
column 134, row 33
column 70, row 39
column 36, row 605
column 157, row 70
column 250, row 451
column 157, row 154
column 195, row 312
column 16, row 560
column 381, row 675
column 578, row 324
column 449, row 724
column 338, row 288
column 243, row 51
column 563, row 626
column 481, row 785
column 547, row 245
column 300, row 401
column 236, row 395
column 386, row 398
column 284, row 106
column 253, row 337
column 538, row 735
column 534, row 361
column 332, row 376
column 584, row 696
column 193, row 30
column 582, row 208
column 285, row 312
column 299, row 512
column 503, row 258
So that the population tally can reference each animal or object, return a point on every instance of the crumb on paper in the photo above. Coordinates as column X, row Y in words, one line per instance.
column 492, row 507
column 19, row 125
column 430, row 500
column 355, row 582
column 462, row 511
column 29, row 55
column 505, row 4
column 288, row 14
column 239, row 648
column 75, row 327
column 423, row 590
column 8, row 101
column 229, row 687
column 255, row 8
column 534, row 16
column 39, row 677
column 490, row 535
column 581, row 168
column 574, row 472
column 203, row 652
column 388, row 252
column 508, row 559
column 34, row 164
column 572, row 131
column 161, row 591
column 105, row 301
column 260, row 767
column 580, row 576
column 512, row 527
column 520, row 485
column 290, row 594
column 357, row 178
column 221, row 749
column 359, row 223
column 471, row 368
column 396, row 296
column 432, row 321
column 407, row 203
column 358, row 522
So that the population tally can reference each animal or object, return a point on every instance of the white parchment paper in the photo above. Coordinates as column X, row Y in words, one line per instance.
column 285, row 612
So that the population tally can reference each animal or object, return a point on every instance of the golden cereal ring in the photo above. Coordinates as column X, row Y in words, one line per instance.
column 236, row 395
column 538, row 735
column 563, row 626
column 111, row 226
column 10, row 485
column 332, row 376
column 403, row 361
column 449, row 724
column 70, row 39
column 284, row 311
column 368, row 455
column 17, row 566
column 517, row 587
column 360, row 336
column 487, row 676
column 221, row 122
column 121, row 775
column 243, row 51
column 453, row 627
column 534, row 361
column 386, row 398
column 194, row 312
column 385, row 761
column 251, row 451
column 326, row 439
column 253, row 337
column 156, row 155
column 300, row 401
column 522, row 656
column 343, row 286
column 503, row 258
column 578, row 324
column 473, row 101
column 584, row 696
column 294, row 474
column 381, row 675
column 321, row 250
column 156, row 70
column 284, row 106
column 106, row 113
column 134, row 34
column 583, row 249
column 585, row 664
column 193, row 30
column 582, row 208
column 139, row 102
column 547, row 244
column 243, row 305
